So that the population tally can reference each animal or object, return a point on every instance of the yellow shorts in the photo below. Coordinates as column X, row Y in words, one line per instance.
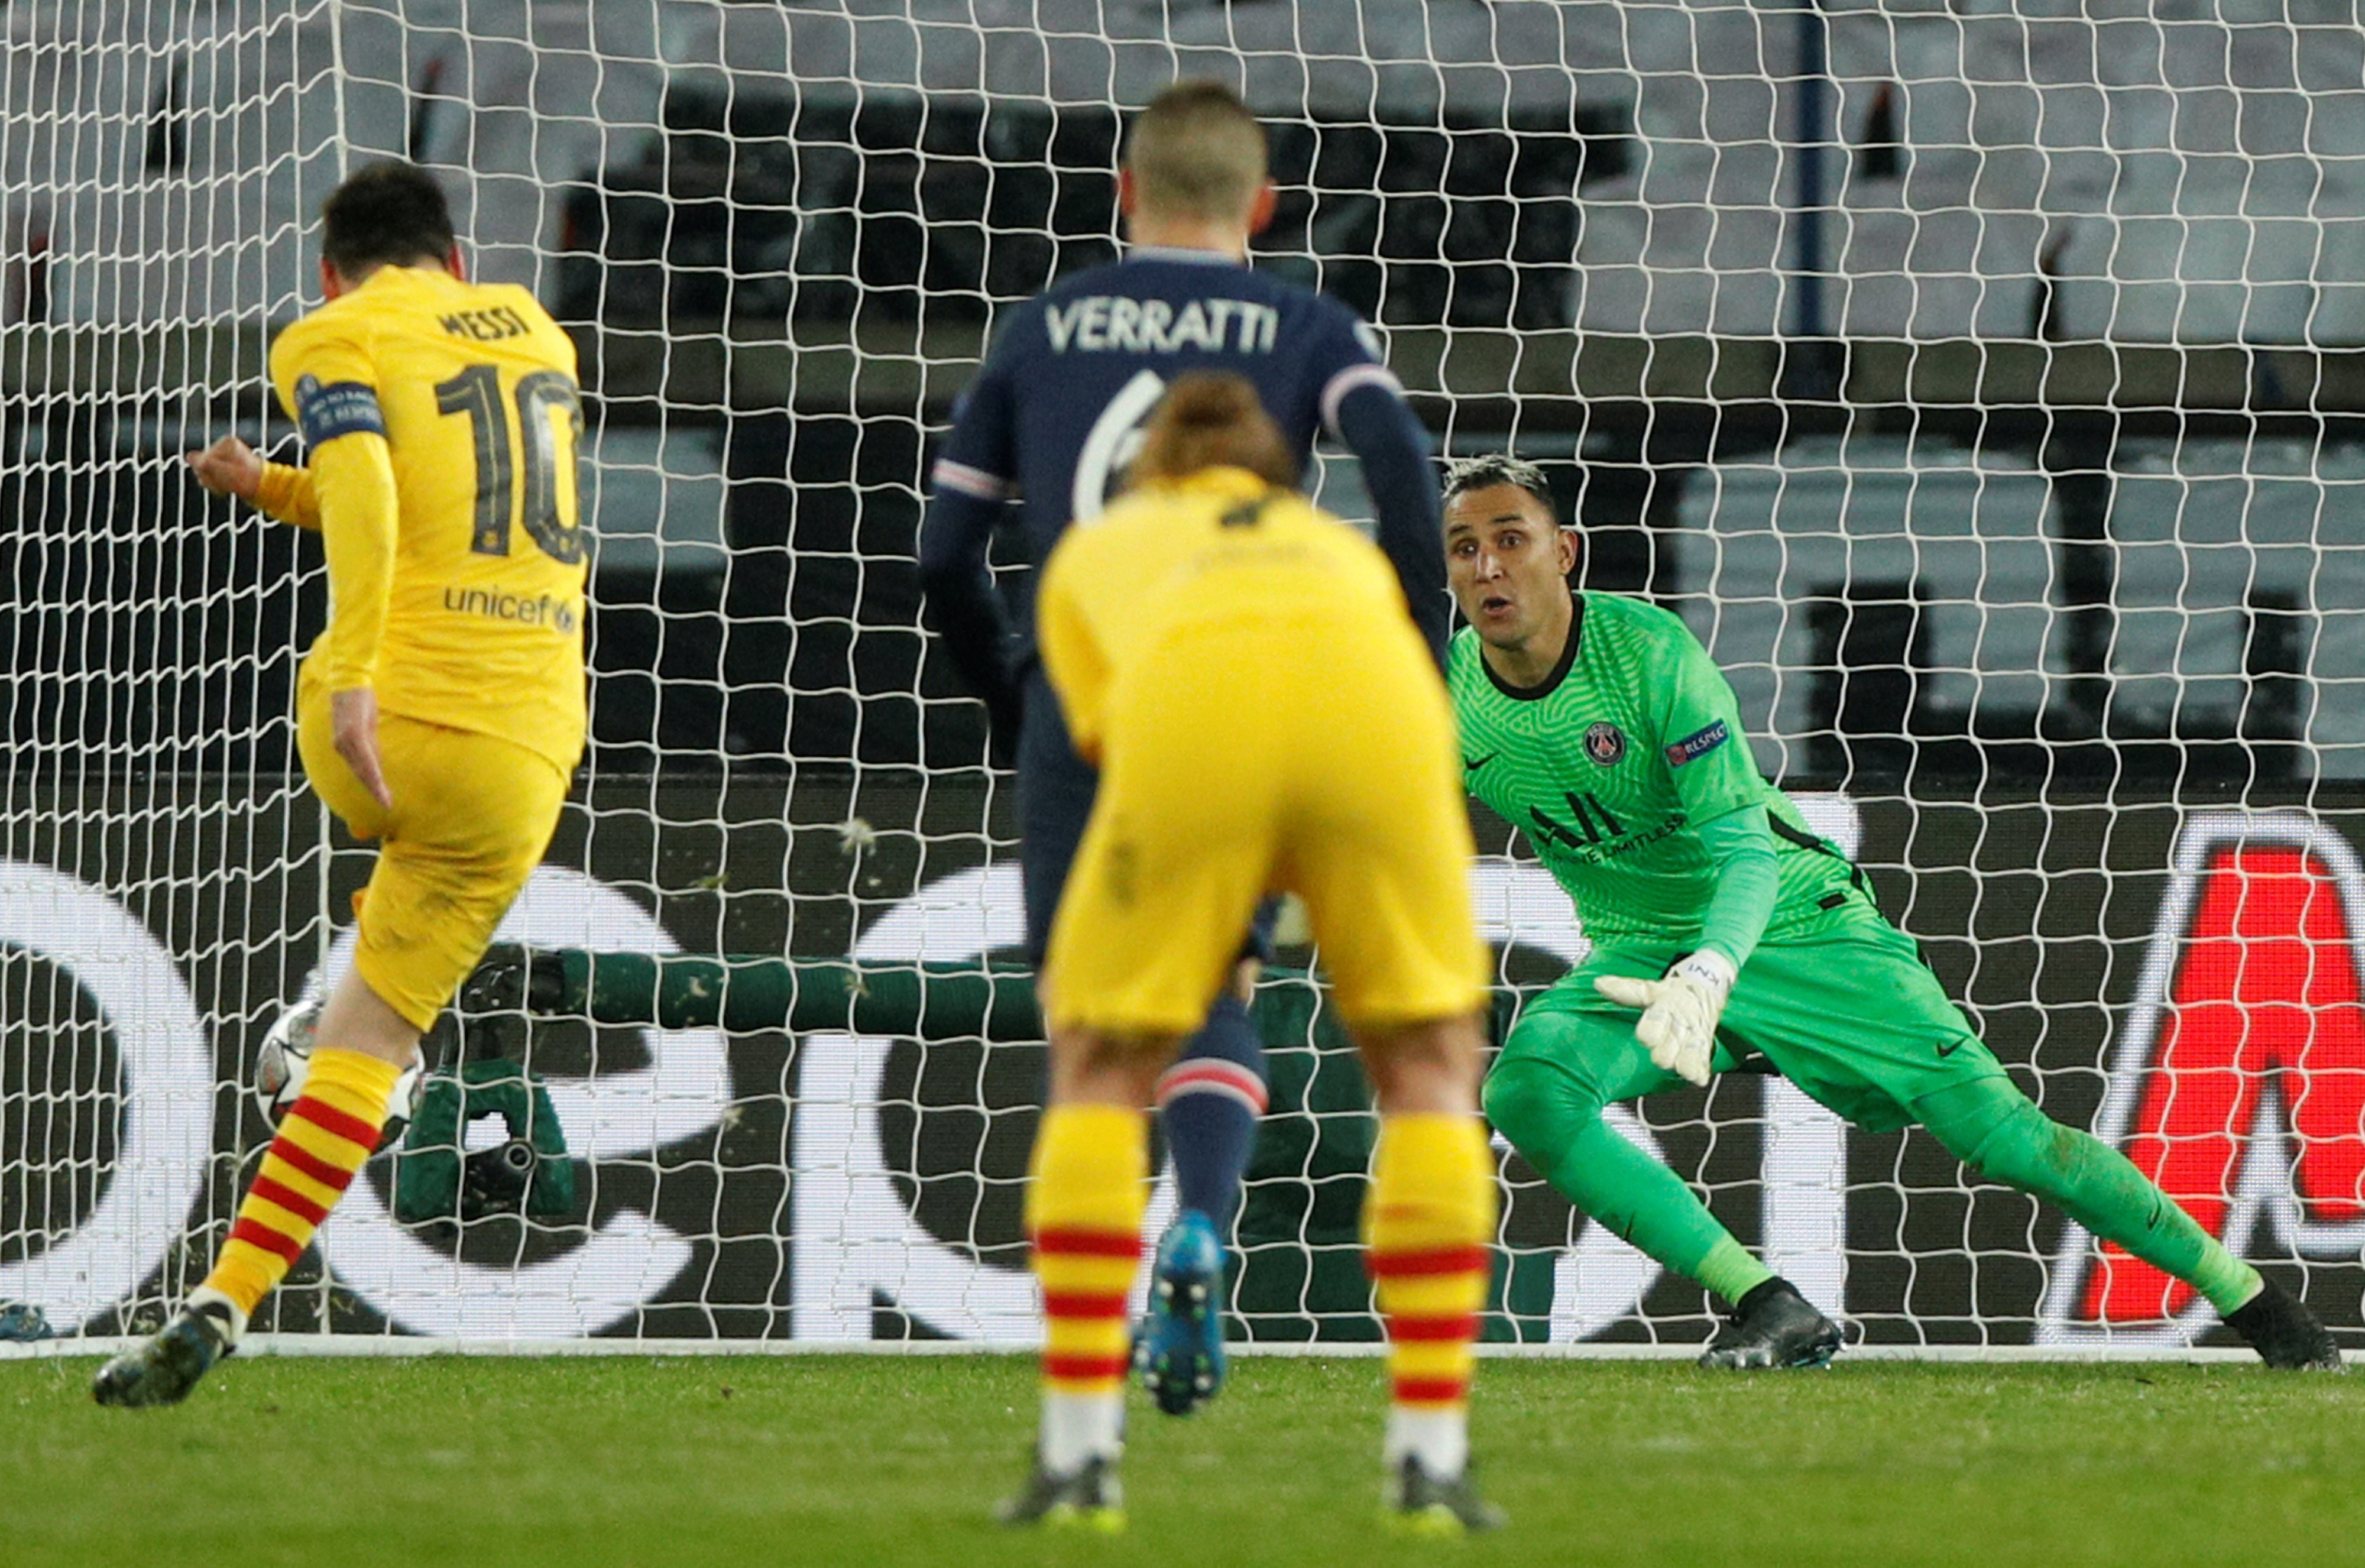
column 1243, row 758
column 472, row 817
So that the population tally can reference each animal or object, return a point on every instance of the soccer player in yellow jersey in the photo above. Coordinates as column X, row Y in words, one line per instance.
column 442, row 711
column 1244, row 671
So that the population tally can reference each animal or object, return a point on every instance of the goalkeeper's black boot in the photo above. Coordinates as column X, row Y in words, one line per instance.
column 163, row 1370
column 1413, row 1502
column 1773, row 1326
column 2285, row 1333
column 1090, row 1499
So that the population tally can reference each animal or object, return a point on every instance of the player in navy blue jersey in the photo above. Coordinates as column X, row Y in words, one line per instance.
column 1044, row 434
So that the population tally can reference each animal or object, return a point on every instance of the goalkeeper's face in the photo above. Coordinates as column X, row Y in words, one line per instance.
column 1508, row 560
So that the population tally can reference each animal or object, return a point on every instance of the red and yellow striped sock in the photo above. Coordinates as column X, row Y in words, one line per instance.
column 1427, row 1221
column 1084, row 1207
column 322, row 1140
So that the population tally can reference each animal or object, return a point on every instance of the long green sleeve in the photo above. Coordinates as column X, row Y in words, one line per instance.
column 1741, row 846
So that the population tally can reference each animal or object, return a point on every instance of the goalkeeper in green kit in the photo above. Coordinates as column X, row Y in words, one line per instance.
column 1598, row 727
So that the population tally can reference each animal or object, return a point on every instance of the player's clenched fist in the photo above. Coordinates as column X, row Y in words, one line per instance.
column 1679, row 1011
column 228, row 467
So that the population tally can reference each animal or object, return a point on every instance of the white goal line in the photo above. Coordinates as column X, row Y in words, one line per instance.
column 301, row 1345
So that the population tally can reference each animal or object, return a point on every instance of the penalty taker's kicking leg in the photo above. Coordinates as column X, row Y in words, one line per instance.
column 1558, row 1071
column 470, row 818
column 2000, row 1134
column 322, row 1141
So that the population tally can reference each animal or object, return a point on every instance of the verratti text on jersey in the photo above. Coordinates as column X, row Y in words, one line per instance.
column 1099, row 322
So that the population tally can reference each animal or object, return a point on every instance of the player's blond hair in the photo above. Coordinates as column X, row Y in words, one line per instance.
column 1196, row 151
column 1212, row 419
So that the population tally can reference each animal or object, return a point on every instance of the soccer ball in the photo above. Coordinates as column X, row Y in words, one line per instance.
column 286, row 1060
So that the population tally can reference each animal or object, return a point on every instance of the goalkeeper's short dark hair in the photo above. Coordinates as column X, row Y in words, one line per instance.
column 385, row 214
column 1493, row 468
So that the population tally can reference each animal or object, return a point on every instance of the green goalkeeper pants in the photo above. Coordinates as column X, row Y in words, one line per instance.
column 1855, row 1019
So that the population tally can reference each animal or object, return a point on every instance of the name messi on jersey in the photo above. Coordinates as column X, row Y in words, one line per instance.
column 1098, row 322
column 487, row 326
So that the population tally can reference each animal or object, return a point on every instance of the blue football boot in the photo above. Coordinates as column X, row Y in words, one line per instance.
column 1179, row 1352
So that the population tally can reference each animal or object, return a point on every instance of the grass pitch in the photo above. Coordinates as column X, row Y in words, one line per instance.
column 520, row 1462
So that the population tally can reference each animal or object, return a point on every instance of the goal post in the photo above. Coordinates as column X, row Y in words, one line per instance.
column 1983, row 384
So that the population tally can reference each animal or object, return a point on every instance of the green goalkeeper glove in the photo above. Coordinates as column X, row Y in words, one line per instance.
column 1679, row 1011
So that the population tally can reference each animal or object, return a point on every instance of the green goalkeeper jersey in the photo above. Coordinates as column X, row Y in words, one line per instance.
column 1609, row 765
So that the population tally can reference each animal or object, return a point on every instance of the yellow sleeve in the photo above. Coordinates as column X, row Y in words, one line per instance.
column 285, row 494
column 354, row 478
column 1072, row 655
column 328, row 380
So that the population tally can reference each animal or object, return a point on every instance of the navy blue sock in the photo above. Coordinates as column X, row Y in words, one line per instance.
column 1210, row 1100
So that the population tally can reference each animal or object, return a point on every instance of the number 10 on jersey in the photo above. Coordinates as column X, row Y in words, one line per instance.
column 475, row 391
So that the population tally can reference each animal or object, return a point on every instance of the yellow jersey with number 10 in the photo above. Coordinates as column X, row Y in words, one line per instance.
column 477, row 621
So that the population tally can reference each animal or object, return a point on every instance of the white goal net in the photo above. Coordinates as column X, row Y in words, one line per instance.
column 1983, row 382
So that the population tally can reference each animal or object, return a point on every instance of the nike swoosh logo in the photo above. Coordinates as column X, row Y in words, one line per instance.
column 1949, row 1049
column 1470, row 766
